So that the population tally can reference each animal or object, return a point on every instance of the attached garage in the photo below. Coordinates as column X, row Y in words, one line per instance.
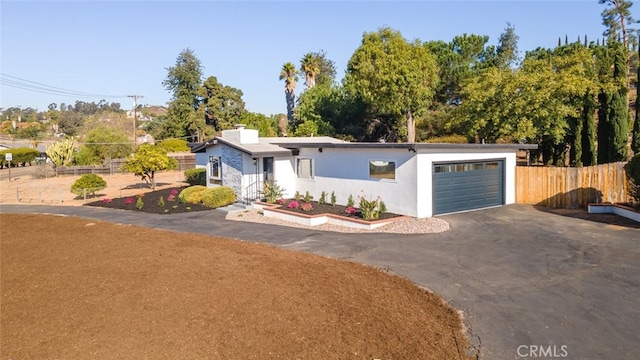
column 464, row 186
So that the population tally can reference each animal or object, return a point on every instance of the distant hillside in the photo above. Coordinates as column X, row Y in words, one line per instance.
column 154, row 110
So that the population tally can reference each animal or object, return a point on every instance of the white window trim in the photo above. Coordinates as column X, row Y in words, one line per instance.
column 395, row 171
column 313, row 168
column 219, row 176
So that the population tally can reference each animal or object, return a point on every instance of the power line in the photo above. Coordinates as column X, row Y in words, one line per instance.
column 20, row 83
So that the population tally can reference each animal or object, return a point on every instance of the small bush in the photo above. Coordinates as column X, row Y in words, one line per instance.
column 192, row 194
column 218, row 196
column 382, row 208
column 323, row 198
column 307, row 197
column 296, row 197
column 333, row 198
column 197, row 176
column 350, row 201
column 369, row 208
column 632, row 169
column 91, row 182
column 272, row 192
column 139, row 203
column 306, row 207
column 161, row 202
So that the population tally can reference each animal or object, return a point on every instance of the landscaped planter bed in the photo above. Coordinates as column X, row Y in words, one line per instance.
column 324, row 214
column 618, row 209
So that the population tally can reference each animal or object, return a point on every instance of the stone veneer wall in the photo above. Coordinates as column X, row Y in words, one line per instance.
column 232, row 170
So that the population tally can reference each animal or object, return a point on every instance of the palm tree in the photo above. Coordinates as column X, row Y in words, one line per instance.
column 310, row 67
column 288, row 74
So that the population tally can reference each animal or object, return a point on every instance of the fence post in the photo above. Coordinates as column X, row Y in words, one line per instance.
column 17, row 194
column 84, row 195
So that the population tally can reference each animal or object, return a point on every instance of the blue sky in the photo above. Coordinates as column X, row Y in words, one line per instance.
column 124, row 48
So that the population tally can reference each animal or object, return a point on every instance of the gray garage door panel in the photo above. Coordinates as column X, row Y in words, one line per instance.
column 467, row 186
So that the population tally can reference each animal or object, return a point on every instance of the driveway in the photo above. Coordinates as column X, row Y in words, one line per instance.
column 530, row 284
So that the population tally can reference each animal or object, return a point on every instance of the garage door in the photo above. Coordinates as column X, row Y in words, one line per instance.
column 467, row 186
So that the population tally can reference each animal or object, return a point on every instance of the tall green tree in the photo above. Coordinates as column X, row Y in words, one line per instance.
column 327, row 69
column 506, row 54
column 183, row 81
column 616, row 17
column 288, row 73
column 588, row 137
column 394, row 77
column 635, row 139
column 619, row 110
column 223, row 105
column 103, row 144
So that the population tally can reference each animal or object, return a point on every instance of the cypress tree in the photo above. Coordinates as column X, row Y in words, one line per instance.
column 635, row 137
column 575, row 139
column 619, row 111
column 588, row 130
column 559, row 41
column 603, row 128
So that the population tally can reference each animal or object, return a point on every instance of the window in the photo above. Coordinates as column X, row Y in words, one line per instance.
column 215, row 167
column 304, row 168
column 379, row 169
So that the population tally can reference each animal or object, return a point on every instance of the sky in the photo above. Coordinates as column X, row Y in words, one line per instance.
column 111, row 49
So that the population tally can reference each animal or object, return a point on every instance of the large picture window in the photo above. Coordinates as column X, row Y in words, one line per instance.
column 215, row 167
column 304, row 168
column 379, row 169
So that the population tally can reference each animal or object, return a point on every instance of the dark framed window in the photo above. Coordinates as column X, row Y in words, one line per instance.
column 381, row 169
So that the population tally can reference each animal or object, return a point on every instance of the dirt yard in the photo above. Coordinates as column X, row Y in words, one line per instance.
column 79, row 289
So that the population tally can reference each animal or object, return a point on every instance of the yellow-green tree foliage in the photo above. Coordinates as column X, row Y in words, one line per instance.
column 146, row 161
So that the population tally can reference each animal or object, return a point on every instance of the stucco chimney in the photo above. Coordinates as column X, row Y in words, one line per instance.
column 241, row 135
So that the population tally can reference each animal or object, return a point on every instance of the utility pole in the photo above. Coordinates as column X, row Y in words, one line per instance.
column 135, row 114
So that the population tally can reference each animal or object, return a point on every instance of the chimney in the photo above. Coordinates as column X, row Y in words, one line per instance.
column 241, row 135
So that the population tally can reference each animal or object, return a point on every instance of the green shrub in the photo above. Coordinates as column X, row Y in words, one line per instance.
column 91, row 182
column 21, row 156
column 307, row 197
column 161, row 202
column 271, row 192
column 192, row 194
column 369, row 208
column 350, row 201
column 296, row 197
column 632, row 169
column 382, row 208
column 450, row 139
column 139, row 203
column 218, row 196
column 333, row 198
column 174, row 145
column 197, row 176
column 323, row 198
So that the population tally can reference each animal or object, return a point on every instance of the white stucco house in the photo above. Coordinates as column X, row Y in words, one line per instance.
column 414, row 179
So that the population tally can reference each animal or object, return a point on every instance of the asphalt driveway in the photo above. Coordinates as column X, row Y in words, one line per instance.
column 530, row 284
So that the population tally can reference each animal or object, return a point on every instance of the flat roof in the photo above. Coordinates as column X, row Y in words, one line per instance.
column 413, row 146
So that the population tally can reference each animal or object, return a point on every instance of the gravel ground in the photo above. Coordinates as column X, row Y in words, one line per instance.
column 402, row 226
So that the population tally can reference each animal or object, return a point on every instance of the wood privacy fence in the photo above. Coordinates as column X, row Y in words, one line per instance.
column 185, row 161
column 565, row 187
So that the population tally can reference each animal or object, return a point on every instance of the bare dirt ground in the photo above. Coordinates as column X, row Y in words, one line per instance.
column 79, row 289
column 56, row 190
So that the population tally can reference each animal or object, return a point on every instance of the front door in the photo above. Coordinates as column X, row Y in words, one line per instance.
column 267, row 169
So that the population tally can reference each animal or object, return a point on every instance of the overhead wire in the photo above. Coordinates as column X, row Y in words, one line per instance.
column 20, row 83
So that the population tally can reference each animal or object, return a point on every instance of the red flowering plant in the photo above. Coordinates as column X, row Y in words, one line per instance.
column 350, row 210
column 293, row 205
column 281, row 201
column 128, row 201
column 106, row 200
column 173, row 194
column 306, row 207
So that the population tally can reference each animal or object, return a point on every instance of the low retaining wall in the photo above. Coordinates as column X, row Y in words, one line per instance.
column 617, row 209
column 272, row 211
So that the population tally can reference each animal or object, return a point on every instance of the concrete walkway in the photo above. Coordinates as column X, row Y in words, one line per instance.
column 529, row 283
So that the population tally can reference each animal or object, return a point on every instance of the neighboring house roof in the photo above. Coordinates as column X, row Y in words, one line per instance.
column 15, row 145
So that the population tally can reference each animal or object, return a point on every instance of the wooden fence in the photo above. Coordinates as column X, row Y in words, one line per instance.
column 185, row 161
column 564, row 187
